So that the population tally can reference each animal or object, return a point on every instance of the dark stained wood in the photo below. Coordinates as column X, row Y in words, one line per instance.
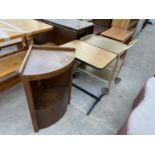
column 74, row 24
column 46, row 62
column 65, row 30
column 47, row 76
column 100, row 25
column 56, row 48
column 29, row 96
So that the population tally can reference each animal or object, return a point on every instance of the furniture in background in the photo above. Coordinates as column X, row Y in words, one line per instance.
column 18, row 32
column 141, row 24
column 101, row 25
column 65, row 30
column 142, row 118
column 127, row 24
column 17, row 28
column 119, row 34
column 46, row 73
column 12, row 46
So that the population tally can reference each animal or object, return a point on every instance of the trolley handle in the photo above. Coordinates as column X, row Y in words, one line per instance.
column 131, row 43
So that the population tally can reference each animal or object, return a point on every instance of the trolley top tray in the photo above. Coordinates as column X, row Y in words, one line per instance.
column 106, row 43
column 90, row 54
column 42, row 62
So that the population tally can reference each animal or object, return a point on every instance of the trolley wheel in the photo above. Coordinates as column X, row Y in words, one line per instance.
column 76, row 75
column 117, row 80
column 105, row 91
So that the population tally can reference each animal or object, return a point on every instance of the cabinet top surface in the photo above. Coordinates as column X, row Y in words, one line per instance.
column 90, row 54
column 14, row 28
column 46, row 61
column 71, row 23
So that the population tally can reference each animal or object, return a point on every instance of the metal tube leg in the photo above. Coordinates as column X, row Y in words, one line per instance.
column 90, row 110
column 106, row 90
column 113, row 72
column 97, row 99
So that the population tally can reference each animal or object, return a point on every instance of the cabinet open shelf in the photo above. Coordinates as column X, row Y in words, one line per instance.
column 49, row 96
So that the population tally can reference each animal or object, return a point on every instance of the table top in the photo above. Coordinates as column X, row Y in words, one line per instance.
column 15, row 28
column 71, row 23
column 105, row 43
column 43, row 61
column 92, row 55
column 117, row 34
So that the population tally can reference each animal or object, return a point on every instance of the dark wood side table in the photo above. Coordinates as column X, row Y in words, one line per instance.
column 101, row 25
column 66, row 30
column 46, row 73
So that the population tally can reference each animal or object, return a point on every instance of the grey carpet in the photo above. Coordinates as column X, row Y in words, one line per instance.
column 110, row 113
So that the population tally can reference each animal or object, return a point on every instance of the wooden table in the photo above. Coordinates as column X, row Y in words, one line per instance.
column 10, row 31
column 16, row 28
column 118, row 34
column 46, row 73
column 66, row 30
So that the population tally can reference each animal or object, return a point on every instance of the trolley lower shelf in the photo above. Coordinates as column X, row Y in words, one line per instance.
column 97, row 98
column 104, row 90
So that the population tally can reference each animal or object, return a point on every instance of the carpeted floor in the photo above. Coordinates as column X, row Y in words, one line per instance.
column 110, row 113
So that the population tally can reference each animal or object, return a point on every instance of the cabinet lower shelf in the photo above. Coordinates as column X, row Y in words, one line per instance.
column 50, row 104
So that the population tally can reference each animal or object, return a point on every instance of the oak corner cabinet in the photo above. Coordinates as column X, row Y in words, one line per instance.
column 46, row 74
